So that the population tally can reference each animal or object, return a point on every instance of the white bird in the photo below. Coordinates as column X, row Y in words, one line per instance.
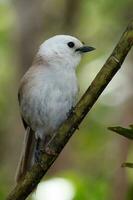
column 47, row 93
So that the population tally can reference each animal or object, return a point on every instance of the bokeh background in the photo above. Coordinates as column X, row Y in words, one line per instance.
column 89, row 168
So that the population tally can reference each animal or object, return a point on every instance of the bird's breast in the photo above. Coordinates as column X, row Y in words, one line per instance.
column 48, row 103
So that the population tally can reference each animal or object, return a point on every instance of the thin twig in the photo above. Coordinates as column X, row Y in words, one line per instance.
column 128, row 133
column 127, row 164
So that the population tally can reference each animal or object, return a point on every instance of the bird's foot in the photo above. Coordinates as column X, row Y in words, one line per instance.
column 42, row 150
column 37, row 155
column 50, row 152
column 71, row 111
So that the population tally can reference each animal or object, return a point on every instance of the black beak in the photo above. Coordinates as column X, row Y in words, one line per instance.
column 85, row 49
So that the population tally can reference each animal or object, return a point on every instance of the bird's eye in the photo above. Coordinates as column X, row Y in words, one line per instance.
column 70, row 44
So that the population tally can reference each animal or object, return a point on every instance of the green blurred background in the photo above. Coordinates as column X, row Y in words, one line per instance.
column 92, row 159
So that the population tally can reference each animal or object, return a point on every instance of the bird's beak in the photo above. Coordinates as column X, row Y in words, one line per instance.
column 85, row 49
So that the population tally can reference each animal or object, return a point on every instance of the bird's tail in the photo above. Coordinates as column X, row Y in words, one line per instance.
column 28, row 154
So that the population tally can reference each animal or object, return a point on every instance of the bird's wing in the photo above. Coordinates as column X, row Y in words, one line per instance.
column 30, row 142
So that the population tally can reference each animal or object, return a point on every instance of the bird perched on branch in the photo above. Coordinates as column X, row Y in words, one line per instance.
column 47, row 93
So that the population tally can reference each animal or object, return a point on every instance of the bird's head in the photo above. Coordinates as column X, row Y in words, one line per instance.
column 63, row 50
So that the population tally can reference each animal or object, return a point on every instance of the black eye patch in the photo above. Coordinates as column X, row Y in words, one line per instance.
column 71, row 44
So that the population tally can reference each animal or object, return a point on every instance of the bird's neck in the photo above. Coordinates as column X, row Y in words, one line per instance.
column 59, row 60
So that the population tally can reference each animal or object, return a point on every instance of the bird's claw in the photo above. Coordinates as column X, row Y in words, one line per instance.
column 71, row 111
column 50, row 152
column 46, row 150
column 37, row 155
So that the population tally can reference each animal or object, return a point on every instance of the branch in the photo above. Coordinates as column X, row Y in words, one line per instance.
column 112, row 65
column 128, row 133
